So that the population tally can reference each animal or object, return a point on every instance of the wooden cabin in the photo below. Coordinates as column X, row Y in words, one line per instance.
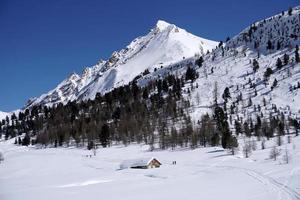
column 142, row 163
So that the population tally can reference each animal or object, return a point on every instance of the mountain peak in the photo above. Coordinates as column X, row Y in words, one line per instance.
column 165, row 45
column 161, row 24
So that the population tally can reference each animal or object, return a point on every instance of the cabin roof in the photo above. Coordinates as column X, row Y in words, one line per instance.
column 137, row 162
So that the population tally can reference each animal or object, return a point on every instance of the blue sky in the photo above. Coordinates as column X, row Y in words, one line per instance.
column 42, row 42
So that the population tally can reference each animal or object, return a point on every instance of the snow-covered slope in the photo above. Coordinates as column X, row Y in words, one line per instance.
column 210, row 173
column 3, row 115
column 163, row 45
column 232, row 66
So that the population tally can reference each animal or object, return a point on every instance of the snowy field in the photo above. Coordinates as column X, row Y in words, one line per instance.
column 205, row 173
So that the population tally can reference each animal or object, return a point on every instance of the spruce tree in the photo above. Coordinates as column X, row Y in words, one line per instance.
column 255, row 65
column 199, row 61
column 297, row 58
column 238, row 127
column 274, row 84
column 269, row 45
column 278, row 63
column 104, row 136
column 286, row 59
column 226, row 94
column 222, row 126
column 26, row 140
column 190, row 74
column 290, row 11
column 247, row 130
column 268, row 73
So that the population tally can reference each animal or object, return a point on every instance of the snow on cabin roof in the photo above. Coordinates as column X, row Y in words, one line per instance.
column 136, row 162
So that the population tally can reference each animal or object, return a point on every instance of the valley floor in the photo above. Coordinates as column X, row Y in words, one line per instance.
column 205, row 173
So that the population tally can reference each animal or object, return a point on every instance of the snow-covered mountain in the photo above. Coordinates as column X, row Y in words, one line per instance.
column 251, row 92
column 231, row 65
column 164, row 45
column 169, row 49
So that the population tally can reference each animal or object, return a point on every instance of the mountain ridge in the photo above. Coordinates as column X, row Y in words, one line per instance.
column 165, row 43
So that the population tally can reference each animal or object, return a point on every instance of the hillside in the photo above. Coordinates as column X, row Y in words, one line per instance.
column 231, row 65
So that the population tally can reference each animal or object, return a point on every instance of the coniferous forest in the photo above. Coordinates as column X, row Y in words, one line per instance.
column 155, row 114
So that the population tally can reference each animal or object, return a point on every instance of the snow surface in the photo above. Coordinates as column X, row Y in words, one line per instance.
column 205, row 173
column 3, row 115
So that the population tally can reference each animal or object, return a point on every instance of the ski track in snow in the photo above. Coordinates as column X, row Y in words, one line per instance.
column 284, row 192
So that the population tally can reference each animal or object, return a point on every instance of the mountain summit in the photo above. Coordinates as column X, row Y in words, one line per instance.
column 164, row 45
column 162, row 24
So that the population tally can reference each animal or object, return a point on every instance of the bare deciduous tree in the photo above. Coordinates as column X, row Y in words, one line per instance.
column 247, row 149
column 286, row 156
column 274, row 153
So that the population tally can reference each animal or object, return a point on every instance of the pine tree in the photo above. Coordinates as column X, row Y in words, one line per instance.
column 249, row 102
column 165, row 86
column 145, row 93
column 19, row 141
column 238, row 127
column 190, row 74
column 286, row 59
column 26, row 140
column 104, row 136
column 278, row 45
column 279, row 63
column 200, row 61
column 269, row 45
column 255, row 65
column 215, row 93
column 247, row 130
column 290, row 11
column 297, row 58
column 274, row 84
column 268, row 73
column 90, row 145
column 226, row 94
column 222, row 127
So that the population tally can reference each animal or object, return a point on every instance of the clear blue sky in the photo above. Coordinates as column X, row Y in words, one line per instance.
column 42, row 42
